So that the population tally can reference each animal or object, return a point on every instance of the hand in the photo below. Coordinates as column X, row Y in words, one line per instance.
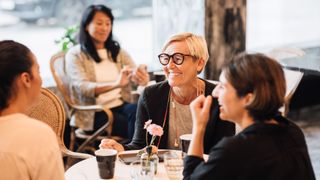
column 111, row 144
column 124, row 77
column 200, row 110
column 140, row 75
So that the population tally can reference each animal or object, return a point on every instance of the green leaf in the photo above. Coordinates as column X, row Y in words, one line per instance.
column 69, row 38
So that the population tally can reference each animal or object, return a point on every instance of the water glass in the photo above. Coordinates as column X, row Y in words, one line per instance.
column 173, row 162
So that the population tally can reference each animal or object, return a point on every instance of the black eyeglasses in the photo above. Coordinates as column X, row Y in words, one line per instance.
column 177, row 58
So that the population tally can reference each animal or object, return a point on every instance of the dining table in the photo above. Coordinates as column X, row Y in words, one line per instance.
column 88, row 169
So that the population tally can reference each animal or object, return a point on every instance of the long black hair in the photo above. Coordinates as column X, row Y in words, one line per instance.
column 85, row 38
column 15, row 58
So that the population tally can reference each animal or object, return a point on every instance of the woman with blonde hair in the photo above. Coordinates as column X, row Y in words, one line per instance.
column 167, row 103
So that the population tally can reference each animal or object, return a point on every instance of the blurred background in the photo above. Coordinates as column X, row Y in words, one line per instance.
column 138, row 26
column 280, row 27
column 41, row 24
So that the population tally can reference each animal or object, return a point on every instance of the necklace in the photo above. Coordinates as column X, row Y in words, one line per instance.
column 176, row 144
column 174, row 118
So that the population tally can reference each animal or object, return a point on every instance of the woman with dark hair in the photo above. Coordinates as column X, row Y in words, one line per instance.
column 100, row 72
column 28, row 147
column 251, row 90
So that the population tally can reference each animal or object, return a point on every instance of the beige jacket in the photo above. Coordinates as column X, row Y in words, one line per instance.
column 81, row 73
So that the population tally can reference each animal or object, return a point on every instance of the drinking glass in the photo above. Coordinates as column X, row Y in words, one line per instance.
column 173, row 162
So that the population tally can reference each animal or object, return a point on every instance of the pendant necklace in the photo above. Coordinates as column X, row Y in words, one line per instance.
column 176, row 142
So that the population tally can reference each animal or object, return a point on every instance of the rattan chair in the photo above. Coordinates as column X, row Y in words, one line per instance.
column 49, row 110
column 57, row 65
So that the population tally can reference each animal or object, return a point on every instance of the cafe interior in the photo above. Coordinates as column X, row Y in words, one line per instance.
column 287, row 31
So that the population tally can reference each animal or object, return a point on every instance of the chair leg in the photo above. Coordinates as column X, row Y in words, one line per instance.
column 93, row 137
column 70, row 161
column 72, row 138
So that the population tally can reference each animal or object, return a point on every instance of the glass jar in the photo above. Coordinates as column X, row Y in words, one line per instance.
column 150, row 161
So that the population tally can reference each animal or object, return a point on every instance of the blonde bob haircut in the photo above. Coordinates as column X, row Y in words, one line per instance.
column 261, row 76
column 197, row 45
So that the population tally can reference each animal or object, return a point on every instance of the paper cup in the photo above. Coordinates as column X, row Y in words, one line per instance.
column 185, row 141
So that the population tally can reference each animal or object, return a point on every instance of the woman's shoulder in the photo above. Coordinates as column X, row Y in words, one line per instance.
column 28, row 125
column 37, row 125
column 123, row 54
column 229, row 142
column 155, row 96
column 75, row 53
column 226, row 147
column 124, row 58
column 158, row 87
column 156, row 92
column 239, row 141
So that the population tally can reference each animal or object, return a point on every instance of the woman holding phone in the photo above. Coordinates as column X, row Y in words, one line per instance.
column 100, row 72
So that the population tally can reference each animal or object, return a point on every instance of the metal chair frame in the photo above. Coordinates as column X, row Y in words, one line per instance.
column 58, row 71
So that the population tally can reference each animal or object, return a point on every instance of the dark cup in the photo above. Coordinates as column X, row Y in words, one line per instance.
column 106, row 159
column 185, row 142
column 159, row 76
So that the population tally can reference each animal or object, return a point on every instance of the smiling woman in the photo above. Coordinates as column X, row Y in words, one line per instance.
column 167, row 103
column 101, row 72
column 250, row 92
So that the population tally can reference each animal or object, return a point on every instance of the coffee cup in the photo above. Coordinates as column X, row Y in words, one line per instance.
column 185, row 141
column 106, row 162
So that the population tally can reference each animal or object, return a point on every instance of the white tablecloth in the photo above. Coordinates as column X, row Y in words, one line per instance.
column 88, row 170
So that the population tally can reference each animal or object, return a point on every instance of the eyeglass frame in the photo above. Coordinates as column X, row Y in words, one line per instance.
column 172, row 56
